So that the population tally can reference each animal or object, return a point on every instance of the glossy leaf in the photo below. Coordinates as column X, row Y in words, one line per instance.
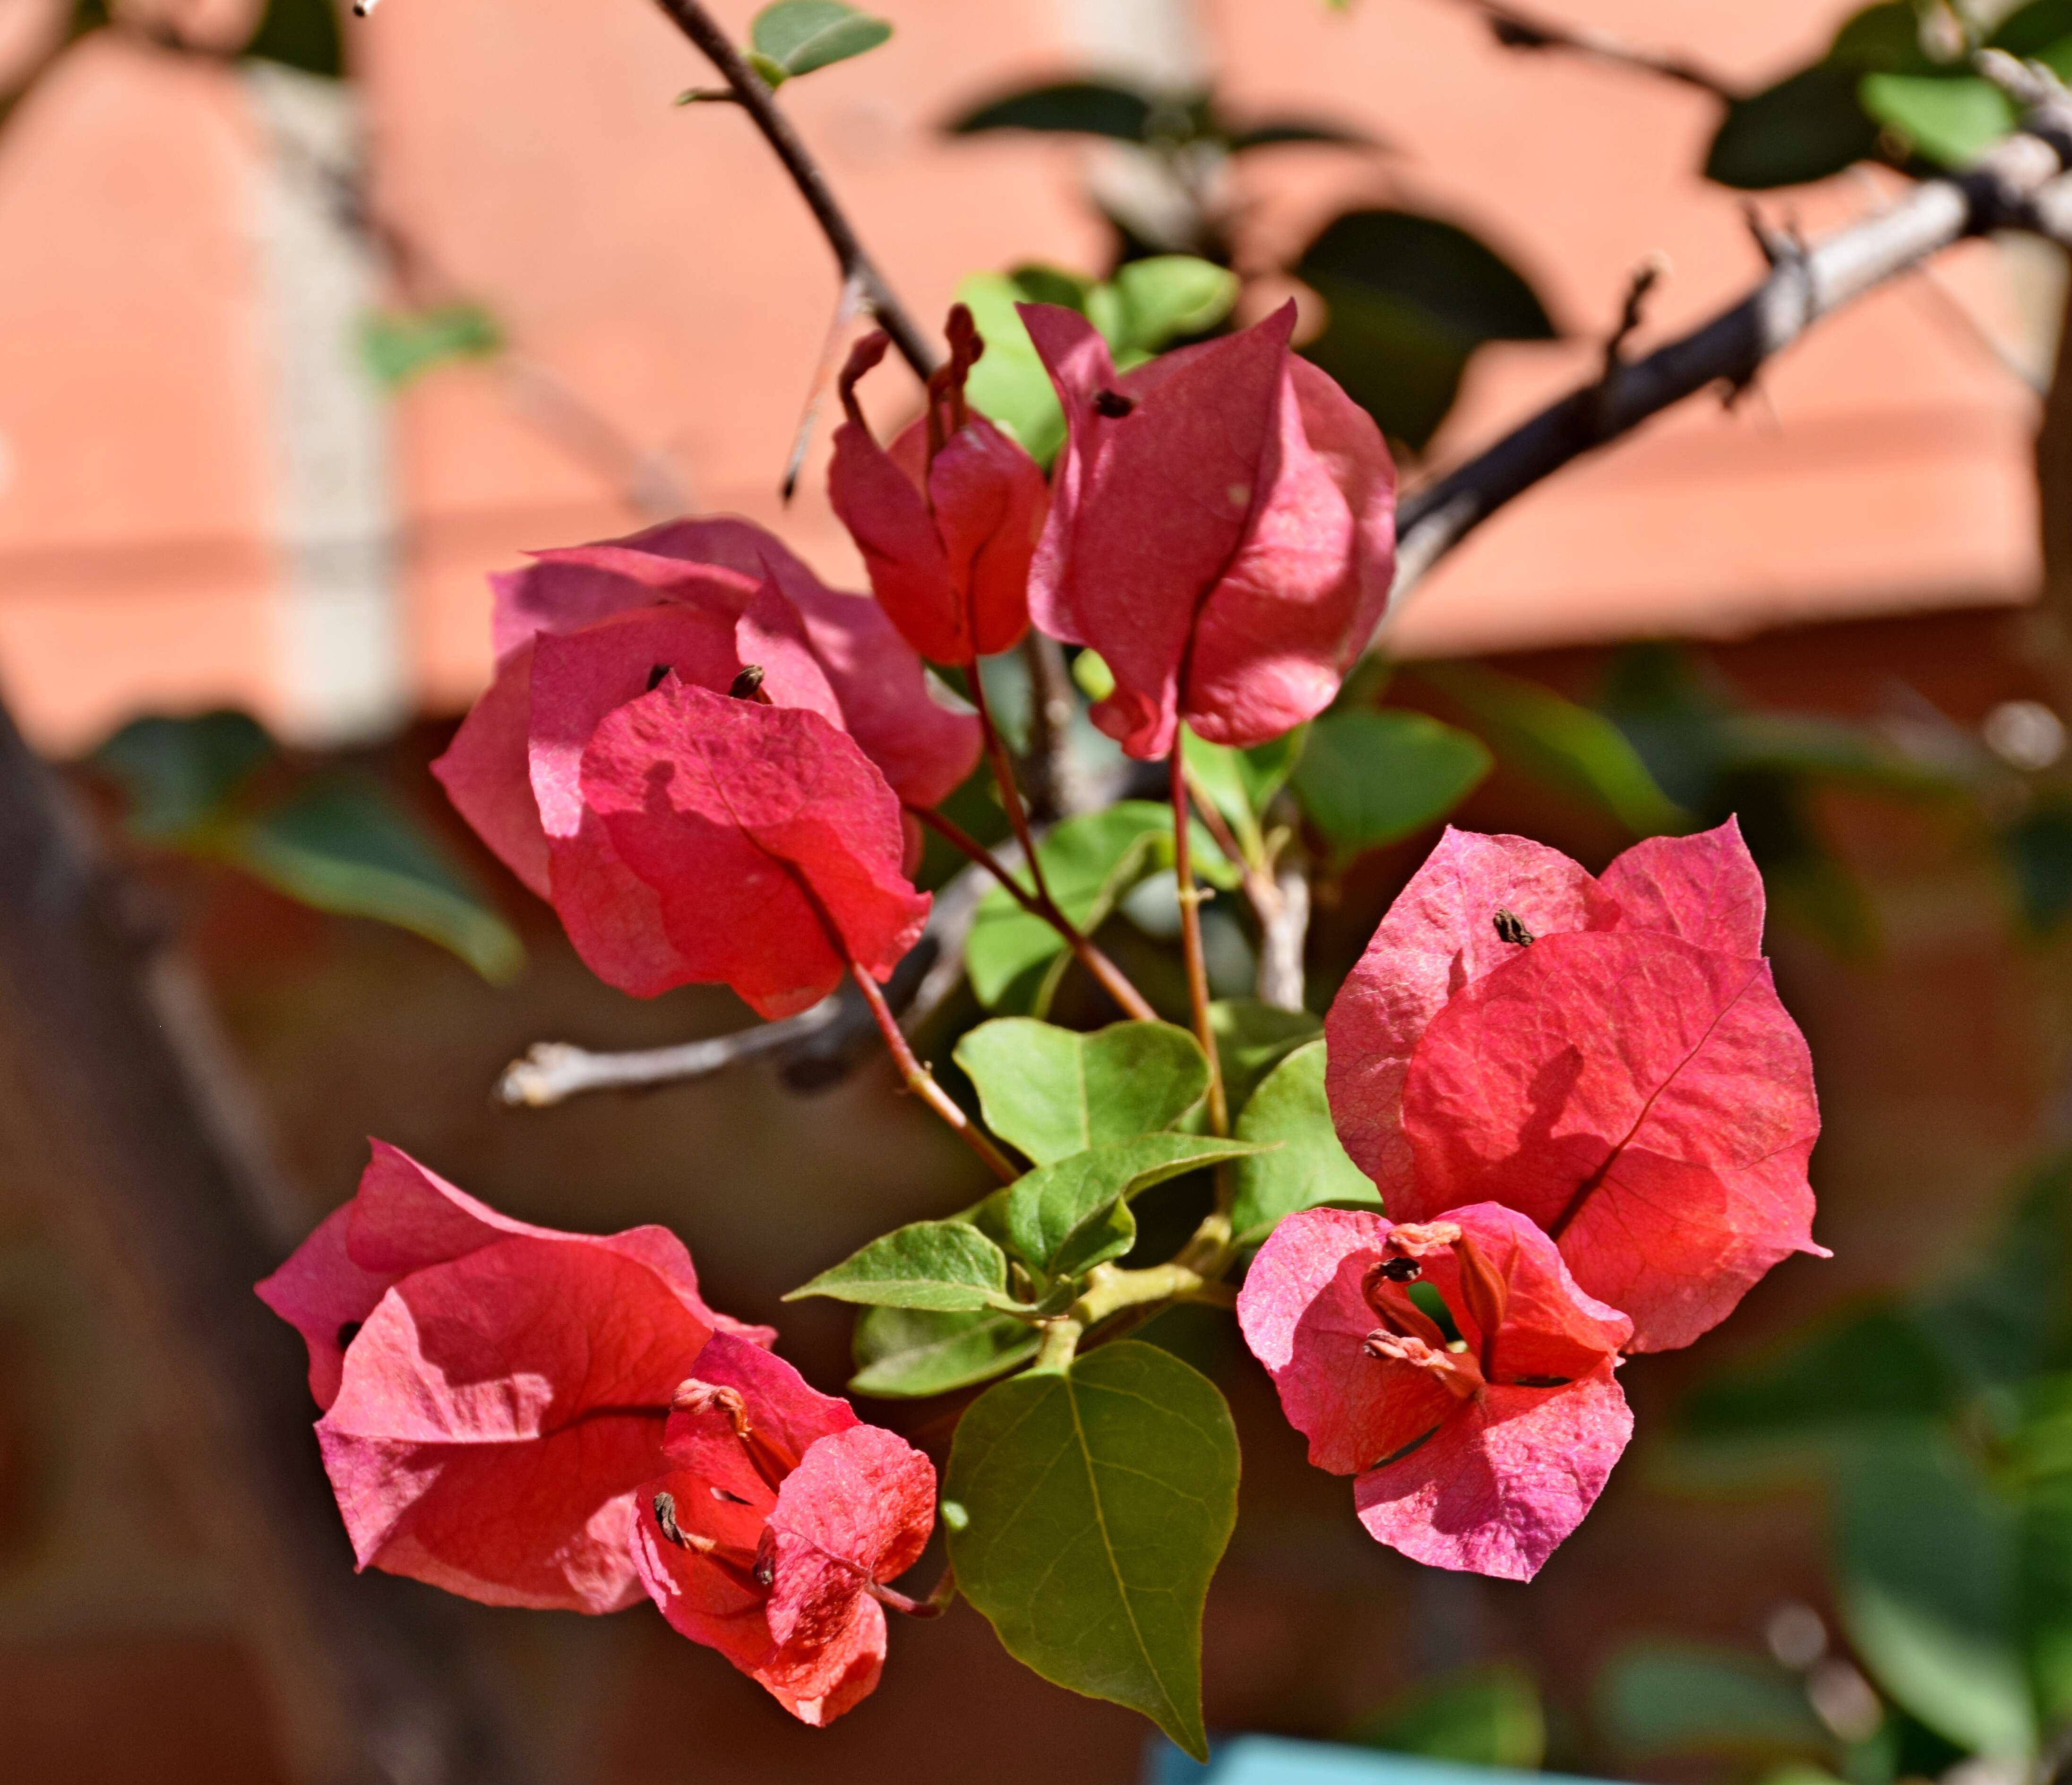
column 1092, row 1506
column 1480, row 1717
column 1950, row 120
column 341, row 844
column 1052, row 1092
column 1411, row 298
column 1167, row 295
column 1368, row 779
column 794, row 37
column 1582, row 752
column 1065, row 1218
column 906, row 1354
column 1078, row 108
column 1251, row 1039
column 946, row 1266
column 182, row 775
column 1289, row 1111
column 1682, row 1698
column 1926, row 1560
column 399, row 346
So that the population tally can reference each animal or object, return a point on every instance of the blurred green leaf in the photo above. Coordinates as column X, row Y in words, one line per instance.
column 2011, row 1318
column 1367, row 778
column 1686, row 1698
column 945, row 1266
column 2037, row 849
column 1009, row 385
column 182, row 775
column 1806, row 127
column 1087, row 1510
column 1926, row 1558
column 1949, row 120
column 1568, row 747
column 1052, row 1092
column 1289, row 1112
column 1411, row 298
column 794, row 37
column 399, row 346
column 300, row 34
column 341, row 844
column 908, row 1354
column 1271, row 133
column 1481, row 1716
column 1079, row 107
column 1167, row 295
column 2046, row 1576
column 1251, row 1039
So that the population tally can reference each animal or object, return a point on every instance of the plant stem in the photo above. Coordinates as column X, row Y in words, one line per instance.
column 703, row 29
column 1191, row 898
column 1003, row 775
column 937, row 1603
column 1061, row 1340
column 1112, row 979
column 920, row 1081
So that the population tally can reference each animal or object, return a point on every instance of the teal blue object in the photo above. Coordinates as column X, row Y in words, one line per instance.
column 1274, row 1760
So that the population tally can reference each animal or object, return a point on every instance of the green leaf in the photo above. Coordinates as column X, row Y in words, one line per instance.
column 1053, row 1091
column 1089, row 861
column 1926, row 1560
column 300, row 34
column 1087, row 1510
column 1079, row 107
column 794, row 37
column 341, row 844
column 1582, row 752
column 1949, row 120
column 1686, row 1698
column 1240, row 784
column 1251, row 1039
column 1065, row 1219
column 1271, row 133
column 948, row 1266
column 181, row 775
column 1289, row 1111
column 2038, row 850
column 1411, row 298
column 1480, row 1717
column 906, row 1354
column 2010, row 1319
column 1806, row 127
column 399, row 346
column 1367, row 778
column 1167, row 295
column 1009, row 385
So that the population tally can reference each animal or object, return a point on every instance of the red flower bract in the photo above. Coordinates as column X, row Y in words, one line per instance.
column 495, row 1392
column 779, row 1514
column 705, row 598
column 1481, row 1454
column 1626, row 1077
column 722, row 840
column 1222, row 530
column 947, row 519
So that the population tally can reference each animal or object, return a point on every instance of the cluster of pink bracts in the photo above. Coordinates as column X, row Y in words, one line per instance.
column 1587, row 1113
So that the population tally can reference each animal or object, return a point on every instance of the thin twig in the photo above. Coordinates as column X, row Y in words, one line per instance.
column 922, row 1082
column 1189, row 897
column 823, row 379
column 1516, row 29
column 756, row 99
column 1282, row 981
column 2018, row 184
column 552, row 1072
column 1003, row 775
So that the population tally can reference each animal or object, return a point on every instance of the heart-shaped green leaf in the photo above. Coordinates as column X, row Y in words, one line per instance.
column 905, row 1354
column 1053, row 1092
column 944, row 1265
column 1087, row 1510
column 1068, row 1217
column 1307, row 1166
column 794, row 37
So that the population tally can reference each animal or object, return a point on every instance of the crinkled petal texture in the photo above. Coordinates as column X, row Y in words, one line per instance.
column 1647, row 1102
column 702, row 599
column 1484, row 1465
column 727, row 841
column 406, row 1218
column 853, row 1504
column 1223, row 534
column 498, row 1415
column 949, row 566
column 1668, row 1200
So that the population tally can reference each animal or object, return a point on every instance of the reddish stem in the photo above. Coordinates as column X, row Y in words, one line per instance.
column 1190, row 941
column 919, row 1078
column 1003, row 773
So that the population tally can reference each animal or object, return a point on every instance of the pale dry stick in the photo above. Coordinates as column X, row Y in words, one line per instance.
column 756, row 99
column 552, row 1072
column 1279, row 901
column 823, row 380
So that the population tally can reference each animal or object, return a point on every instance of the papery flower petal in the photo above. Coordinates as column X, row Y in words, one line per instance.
column 1649, row 1103
column 757, row 827
column 572, row 586
column 887, row 515
column 1705, row 888
column 990, row 500
column 1495, row 1490
column 1218, row 514
column 327, row 1298
column 498, row 1414
column 483, row 771
column 1438, row 937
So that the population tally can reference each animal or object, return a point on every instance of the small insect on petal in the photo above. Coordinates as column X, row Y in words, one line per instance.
column 1511, row 927
column 748, row 684
column 1113, row 404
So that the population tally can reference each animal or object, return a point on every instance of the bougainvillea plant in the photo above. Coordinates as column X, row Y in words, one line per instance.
column 1552, row 1120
